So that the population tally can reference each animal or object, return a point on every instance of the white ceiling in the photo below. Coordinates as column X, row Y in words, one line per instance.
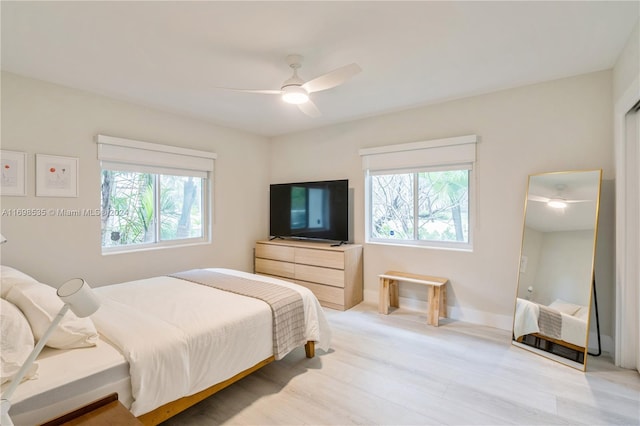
column 582, row 186
column 173, row 55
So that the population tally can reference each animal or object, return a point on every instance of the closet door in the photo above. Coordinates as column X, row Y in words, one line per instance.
column 628, row 289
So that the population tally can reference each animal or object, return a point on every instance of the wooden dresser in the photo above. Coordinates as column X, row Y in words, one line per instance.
column 333, row 274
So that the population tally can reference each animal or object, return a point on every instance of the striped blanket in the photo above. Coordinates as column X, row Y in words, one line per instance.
column 286, row 304
column 550, row 322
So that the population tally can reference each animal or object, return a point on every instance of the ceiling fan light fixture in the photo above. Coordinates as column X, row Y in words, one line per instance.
column 557, row 203
column 294, row 95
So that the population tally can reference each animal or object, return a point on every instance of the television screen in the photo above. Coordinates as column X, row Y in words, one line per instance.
column 310, row 210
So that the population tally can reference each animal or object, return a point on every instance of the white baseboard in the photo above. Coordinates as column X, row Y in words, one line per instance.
column 504, row 322
column 605, row 341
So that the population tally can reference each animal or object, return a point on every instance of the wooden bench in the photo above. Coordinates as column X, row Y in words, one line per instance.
column 437, row 287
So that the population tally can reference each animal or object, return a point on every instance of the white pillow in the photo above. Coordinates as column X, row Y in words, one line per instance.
column 564, row 307
column 11, row 277
column 582, row 313
column 40, row 304
column 16, row 342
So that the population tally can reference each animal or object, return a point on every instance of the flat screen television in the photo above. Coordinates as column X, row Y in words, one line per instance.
column 317, row 210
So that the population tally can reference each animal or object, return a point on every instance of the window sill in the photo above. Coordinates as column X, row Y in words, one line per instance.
column 118, row 250
column 466, row 249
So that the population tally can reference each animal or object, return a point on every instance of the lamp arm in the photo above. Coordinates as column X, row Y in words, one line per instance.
column 34, row 354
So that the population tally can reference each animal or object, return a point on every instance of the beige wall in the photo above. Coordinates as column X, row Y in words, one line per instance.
column 39, row 117
column 558, row 125
column 564, row 268
column 627, row 68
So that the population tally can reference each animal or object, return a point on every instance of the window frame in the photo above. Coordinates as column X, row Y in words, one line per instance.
column 415, row 241
column 457, row 153
column 164, row 243
column 119, row 154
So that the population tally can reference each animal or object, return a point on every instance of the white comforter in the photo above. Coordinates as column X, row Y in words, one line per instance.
column 526, row 319
column 180, row 337
column 574, row 330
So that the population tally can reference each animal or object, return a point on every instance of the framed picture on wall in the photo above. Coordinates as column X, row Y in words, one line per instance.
column 56, row 176
column 14, row 173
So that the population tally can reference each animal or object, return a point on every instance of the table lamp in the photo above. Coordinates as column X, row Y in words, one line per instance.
column 77, row 296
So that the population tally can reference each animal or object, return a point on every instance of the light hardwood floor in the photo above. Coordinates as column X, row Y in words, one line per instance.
column 396, row 370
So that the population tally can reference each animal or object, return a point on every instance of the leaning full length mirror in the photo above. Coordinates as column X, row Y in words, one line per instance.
column 556, row 265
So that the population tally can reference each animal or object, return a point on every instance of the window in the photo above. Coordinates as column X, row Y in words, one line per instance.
column 419, row 193
column 309, row 208
column 421, row 206
column 143, row 208
column 152, row 195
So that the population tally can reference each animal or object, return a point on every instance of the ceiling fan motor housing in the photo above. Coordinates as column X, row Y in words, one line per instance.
column 292, row 90
column 294, row 94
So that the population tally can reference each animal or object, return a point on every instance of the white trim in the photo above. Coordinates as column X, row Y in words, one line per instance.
column 412, row 146
column 148, row 146
column 606, row 343
column 445, row 168
column 627, row 349
column 439, row 152
column 455, row 153
column 129, row 155
column 133, row 248
column 139, row 168
column 113, row 151
column 424, row 244
column 503, row 322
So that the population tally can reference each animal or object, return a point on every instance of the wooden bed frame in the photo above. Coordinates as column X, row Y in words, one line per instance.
column 556, row 341
column 559, row 342
column 576, row 348
column 170, row 409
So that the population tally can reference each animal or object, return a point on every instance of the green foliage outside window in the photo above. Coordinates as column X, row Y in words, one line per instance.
column 424, row 206
column 144, row 208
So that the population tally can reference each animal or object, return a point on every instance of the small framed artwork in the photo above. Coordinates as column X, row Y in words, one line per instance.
column 14, row 173
column 56, row 176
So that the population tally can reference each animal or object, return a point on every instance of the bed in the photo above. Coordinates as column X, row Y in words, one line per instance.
column 560, row 323
column 201, row 338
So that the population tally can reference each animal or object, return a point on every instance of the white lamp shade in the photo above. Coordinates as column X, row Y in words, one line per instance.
column 79, row 296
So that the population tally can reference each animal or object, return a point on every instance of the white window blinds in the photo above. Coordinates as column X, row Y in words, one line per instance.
column 439, row 152
column 145, row 157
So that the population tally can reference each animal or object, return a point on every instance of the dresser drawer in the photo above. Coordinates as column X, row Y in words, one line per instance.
column 315, row 274
column 268, row 251
column 274, row 267
column 324, row 293
column 333, row 274
column 324, row 258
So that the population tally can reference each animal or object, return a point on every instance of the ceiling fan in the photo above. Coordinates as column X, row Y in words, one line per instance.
column 296, row 91
column 558, row 201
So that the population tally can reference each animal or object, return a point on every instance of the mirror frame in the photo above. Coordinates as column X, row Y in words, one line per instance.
column 547, row 354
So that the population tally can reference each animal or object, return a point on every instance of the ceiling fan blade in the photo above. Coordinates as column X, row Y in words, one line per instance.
column 310, row 109
column 263, row 92
column 538, row 198
column 332, row 79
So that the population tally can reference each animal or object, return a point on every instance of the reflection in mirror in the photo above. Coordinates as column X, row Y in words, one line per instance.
column 556, row 265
